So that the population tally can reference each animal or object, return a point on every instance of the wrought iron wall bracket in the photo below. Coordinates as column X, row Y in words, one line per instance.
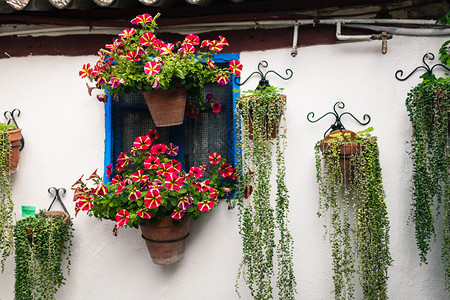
column 337, row 125
column 426, row 67
column 9, row 115
column 53, row 190
column 263, row 82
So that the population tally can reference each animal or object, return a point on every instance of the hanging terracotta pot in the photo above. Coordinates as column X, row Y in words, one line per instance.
column 167, row 107
column 165, row 241
column 346, row 150
column 15, row 137
column 270, row 130
column 50, row 214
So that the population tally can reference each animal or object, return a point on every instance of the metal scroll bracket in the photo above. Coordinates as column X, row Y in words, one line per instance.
column 53, row 190
column 263, row 82
column 337, row 125
column 9, row 115
column 426, row 67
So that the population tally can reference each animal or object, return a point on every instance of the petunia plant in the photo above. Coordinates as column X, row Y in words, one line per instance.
column 149, row 184
column 209, row 102
column 138, row 60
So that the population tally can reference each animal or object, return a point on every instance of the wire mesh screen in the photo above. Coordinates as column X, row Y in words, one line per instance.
column 197, row 138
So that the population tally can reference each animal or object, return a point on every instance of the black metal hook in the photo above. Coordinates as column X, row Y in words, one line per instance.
column 57, row 197
column 9, row 115
column 337, row 125
column 427, row 68
column 263, row 82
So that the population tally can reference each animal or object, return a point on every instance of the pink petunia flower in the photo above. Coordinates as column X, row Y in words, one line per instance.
column 152, row 199
column 196, row 172
column 127, row 33
column 142, row 142
column 142, row 19
column 147, row 39
column 85, row 71
column 158, row 149
column 152, row 68
column 236, row 68
column 133, row 56
column 144, row 214
column 152, row 162
column 134, row 194
column 139, row 176
column 173, row 182
column 192, row 111
column 222, row 78
column 192, row 39
column 216, row 107
column 177, row 214
column 152, row 134
column 205, row 205
column 214, row 158
column 122, row 217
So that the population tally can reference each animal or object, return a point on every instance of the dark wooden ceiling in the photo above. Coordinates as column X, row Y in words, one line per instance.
column 220, row 11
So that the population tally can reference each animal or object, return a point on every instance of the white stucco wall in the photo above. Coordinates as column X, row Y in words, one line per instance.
column 64, row 135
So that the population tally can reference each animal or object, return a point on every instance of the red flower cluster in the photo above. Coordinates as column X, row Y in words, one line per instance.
column 149, row 184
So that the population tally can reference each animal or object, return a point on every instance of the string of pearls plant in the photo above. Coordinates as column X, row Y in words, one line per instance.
column 260, row 113
column 365, row 237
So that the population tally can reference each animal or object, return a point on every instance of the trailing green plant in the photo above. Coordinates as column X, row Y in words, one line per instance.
column 428, row 106
column 365, row 237
column 259, row 111
column 6, row 203
column 40, row 243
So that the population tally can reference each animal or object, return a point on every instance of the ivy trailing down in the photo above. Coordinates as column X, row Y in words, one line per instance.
column 6, row 203
column 39, row 247
column 259, row 114
column 428, row 105
column 350, row 183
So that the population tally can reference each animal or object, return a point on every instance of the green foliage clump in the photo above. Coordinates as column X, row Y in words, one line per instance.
column 365, row 237
column 428, row 106
column 40, row 244
column 6, row 203
column 259, row 113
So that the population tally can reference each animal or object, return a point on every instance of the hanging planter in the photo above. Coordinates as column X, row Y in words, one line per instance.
column 139, row 61
column 15, row 138
column 347, row 148
column 167, row 107
column 40, row 244
column 165, row 240
column 263, row 221
column 428, row 105
column 149, row 189
column 263, row 111
column 367, row 240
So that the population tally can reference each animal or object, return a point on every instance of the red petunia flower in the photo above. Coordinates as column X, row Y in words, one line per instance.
column 216, row 107
column 122, row 217
column 214, row 158
column 192, row 111
column 152, row 199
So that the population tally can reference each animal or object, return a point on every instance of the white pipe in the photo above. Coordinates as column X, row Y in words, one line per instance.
column 341, row 37
column 295, row 41
column 206, row 27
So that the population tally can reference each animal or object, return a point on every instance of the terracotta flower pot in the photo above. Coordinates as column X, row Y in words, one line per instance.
column 270, row 130
column 15, row 137
column 167, row 107
column 165, row 241
column 49, row 214
column 346, row 150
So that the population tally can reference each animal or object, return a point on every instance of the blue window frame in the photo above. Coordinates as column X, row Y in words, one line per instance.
column 129, row 118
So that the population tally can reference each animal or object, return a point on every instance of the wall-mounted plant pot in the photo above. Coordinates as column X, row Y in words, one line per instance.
column 51, row 214
column 347, row 149
column 15, row 137
column 166, row 107
column 271, row 130
column 165, row 241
